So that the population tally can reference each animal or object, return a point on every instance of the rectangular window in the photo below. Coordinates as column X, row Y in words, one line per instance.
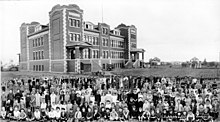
column 36, row 56
column 133, row 36
column 74, row 37
column 39, row 53
column 38, row 41
column 42, row 68
column 39, row 67
column 97, row 41
column 33, row 42
column 90, row 39
column 33, row 55
column 84, row 37
column 106, row 42
column 97, row 54
column 34, row 68
column 103, row 54
column 105, row 31
column 94, row 41
column 42, row 40
column 103, row 42
column 93, row 54
column 42, row 54
column 86, row 53
column 106, row 54
column 74, row 22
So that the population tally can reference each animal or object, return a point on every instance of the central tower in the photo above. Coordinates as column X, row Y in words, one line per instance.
column 65, row 31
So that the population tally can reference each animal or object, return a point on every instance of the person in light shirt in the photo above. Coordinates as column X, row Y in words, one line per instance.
column 3, row 113
column 57, row 114
column 51, row 115
column 43, row 104
column 37, row 114
column 53, row 97
column 16, row 113
column 78, row 115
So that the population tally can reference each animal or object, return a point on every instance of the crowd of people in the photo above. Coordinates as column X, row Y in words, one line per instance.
column 114, row 98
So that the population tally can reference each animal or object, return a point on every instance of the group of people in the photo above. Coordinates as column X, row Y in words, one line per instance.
column 114, row 98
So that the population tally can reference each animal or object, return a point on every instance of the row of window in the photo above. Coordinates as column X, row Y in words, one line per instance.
column 133, row 36
column 38, row 55
column 74, row 22
column 38, row 42
column 133, row 45
column 91, row 39
column 74, row 37
column 104, row 42
column 105, row 31
column 105, row 54
column 86, row 53
column 115, row 65
column 117, row 54
column 118, row 65
column 38, row 67
column 95, row 54
column 95, row 40
column 117, row 44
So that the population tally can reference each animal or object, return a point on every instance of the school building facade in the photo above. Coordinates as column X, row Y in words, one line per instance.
column 70, row 44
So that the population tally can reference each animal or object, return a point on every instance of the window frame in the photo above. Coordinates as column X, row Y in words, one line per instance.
column 76, row 22
column 74, row 36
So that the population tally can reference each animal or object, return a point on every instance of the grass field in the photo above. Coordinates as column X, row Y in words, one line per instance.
column 170, row 72
column 159, row 71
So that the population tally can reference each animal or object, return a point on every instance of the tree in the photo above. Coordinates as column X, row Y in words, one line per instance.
column 154, row 61
column 212, row 64
column 204, row 63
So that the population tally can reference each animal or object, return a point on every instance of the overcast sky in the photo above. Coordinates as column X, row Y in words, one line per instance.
column 173, row 30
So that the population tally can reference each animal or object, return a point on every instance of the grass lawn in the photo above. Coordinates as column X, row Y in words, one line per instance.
column 170, row 72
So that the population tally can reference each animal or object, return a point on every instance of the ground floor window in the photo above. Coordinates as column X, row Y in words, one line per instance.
column 38, row 67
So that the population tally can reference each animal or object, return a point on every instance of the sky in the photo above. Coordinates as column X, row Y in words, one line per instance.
column 172, row 30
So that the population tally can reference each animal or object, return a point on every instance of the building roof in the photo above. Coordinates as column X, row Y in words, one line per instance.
column 70, row 6
column 79, row 43
column 45, row 28
column 137, row 50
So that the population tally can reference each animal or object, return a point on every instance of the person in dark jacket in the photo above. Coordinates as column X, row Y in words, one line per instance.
column 63, row 117
column 96, row 115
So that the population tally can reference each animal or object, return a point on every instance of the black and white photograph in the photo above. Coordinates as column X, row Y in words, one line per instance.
column 110, row 61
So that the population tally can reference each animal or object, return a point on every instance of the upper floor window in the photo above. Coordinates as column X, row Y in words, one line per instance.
column 116, row 32
column 42, row 54
column 33, row 41
column 105, row 42
column 95, row 41
column 33, row 55
column 42, row 40
column 74, row 37
column 133, row 45
column 133, row 36
column 74, row 22
column 105, row 31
